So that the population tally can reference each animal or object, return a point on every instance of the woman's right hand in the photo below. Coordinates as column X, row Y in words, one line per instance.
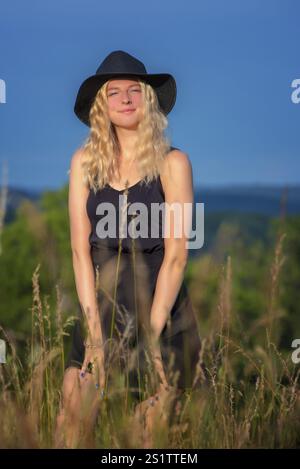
column 93, row 369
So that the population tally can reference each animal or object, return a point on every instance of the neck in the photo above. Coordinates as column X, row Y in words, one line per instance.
column 127, row 139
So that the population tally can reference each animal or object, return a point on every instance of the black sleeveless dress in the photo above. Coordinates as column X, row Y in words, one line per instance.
column 126, row 270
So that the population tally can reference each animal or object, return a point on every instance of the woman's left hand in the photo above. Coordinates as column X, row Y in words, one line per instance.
column 147, row 412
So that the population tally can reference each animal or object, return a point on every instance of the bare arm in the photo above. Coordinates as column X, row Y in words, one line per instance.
column 177, row 180
column 80, row 228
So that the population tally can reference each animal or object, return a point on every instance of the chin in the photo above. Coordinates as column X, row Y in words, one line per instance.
column 126, row 122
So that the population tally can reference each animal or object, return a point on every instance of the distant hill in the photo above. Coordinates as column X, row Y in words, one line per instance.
column 15, row 197
column 244, row 212
column 259, row 199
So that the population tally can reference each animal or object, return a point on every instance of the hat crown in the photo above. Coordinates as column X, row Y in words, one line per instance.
column 121, row 62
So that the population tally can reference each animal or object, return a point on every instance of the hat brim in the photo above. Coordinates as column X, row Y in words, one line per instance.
column 163, row 83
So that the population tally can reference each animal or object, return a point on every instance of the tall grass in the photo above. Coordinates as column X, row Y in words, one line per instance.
column 251, row 398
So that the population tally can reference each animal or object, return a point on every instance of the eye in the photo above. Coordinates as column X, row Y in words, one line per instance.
column 136, row 89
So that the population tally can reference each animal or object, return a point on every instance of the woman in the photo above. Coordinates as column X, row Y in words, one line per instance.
column 135, row 311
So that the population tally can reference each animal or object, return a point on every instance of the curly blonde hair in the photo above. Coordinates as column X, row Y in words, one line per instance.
column 101, row 148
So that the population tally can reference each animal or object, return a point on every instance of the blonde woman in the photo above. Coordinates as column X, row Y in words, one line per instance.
column 135, row 311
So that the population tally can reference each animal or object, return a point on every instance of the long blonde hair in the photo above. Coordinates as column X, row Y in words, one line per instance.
column 101, row 148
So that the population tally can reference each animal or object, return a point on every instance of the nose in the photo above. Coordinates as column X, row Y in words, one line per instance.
column 126, row 98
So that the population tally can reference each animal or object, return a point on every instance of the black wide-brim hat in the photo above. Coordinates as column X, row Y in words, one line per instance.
column 119, row 64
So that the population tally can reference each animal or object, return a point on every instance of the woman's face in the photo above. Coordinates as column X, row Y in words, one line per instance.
column 124, row 101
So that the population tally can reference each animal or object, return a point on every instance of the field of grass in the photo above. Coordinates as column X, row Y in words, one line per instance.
column 250, row 399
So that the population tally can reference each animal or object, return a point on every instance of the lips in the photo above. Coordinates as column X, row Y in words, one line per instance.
column 127, row 111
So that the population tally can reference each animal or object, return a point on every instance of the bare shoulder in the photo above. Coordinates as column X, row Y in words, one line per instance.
column 177, row 156
column 177, row 169
column 76, row 159
column 76, row 170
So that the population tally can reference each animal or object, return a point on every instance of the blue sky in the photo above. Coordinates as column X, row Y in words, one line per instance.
column 234, row 62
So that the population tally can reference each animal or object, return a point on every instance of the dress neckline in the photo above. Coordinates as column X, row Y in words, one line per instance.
column 134, row 185
column 122, row 190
